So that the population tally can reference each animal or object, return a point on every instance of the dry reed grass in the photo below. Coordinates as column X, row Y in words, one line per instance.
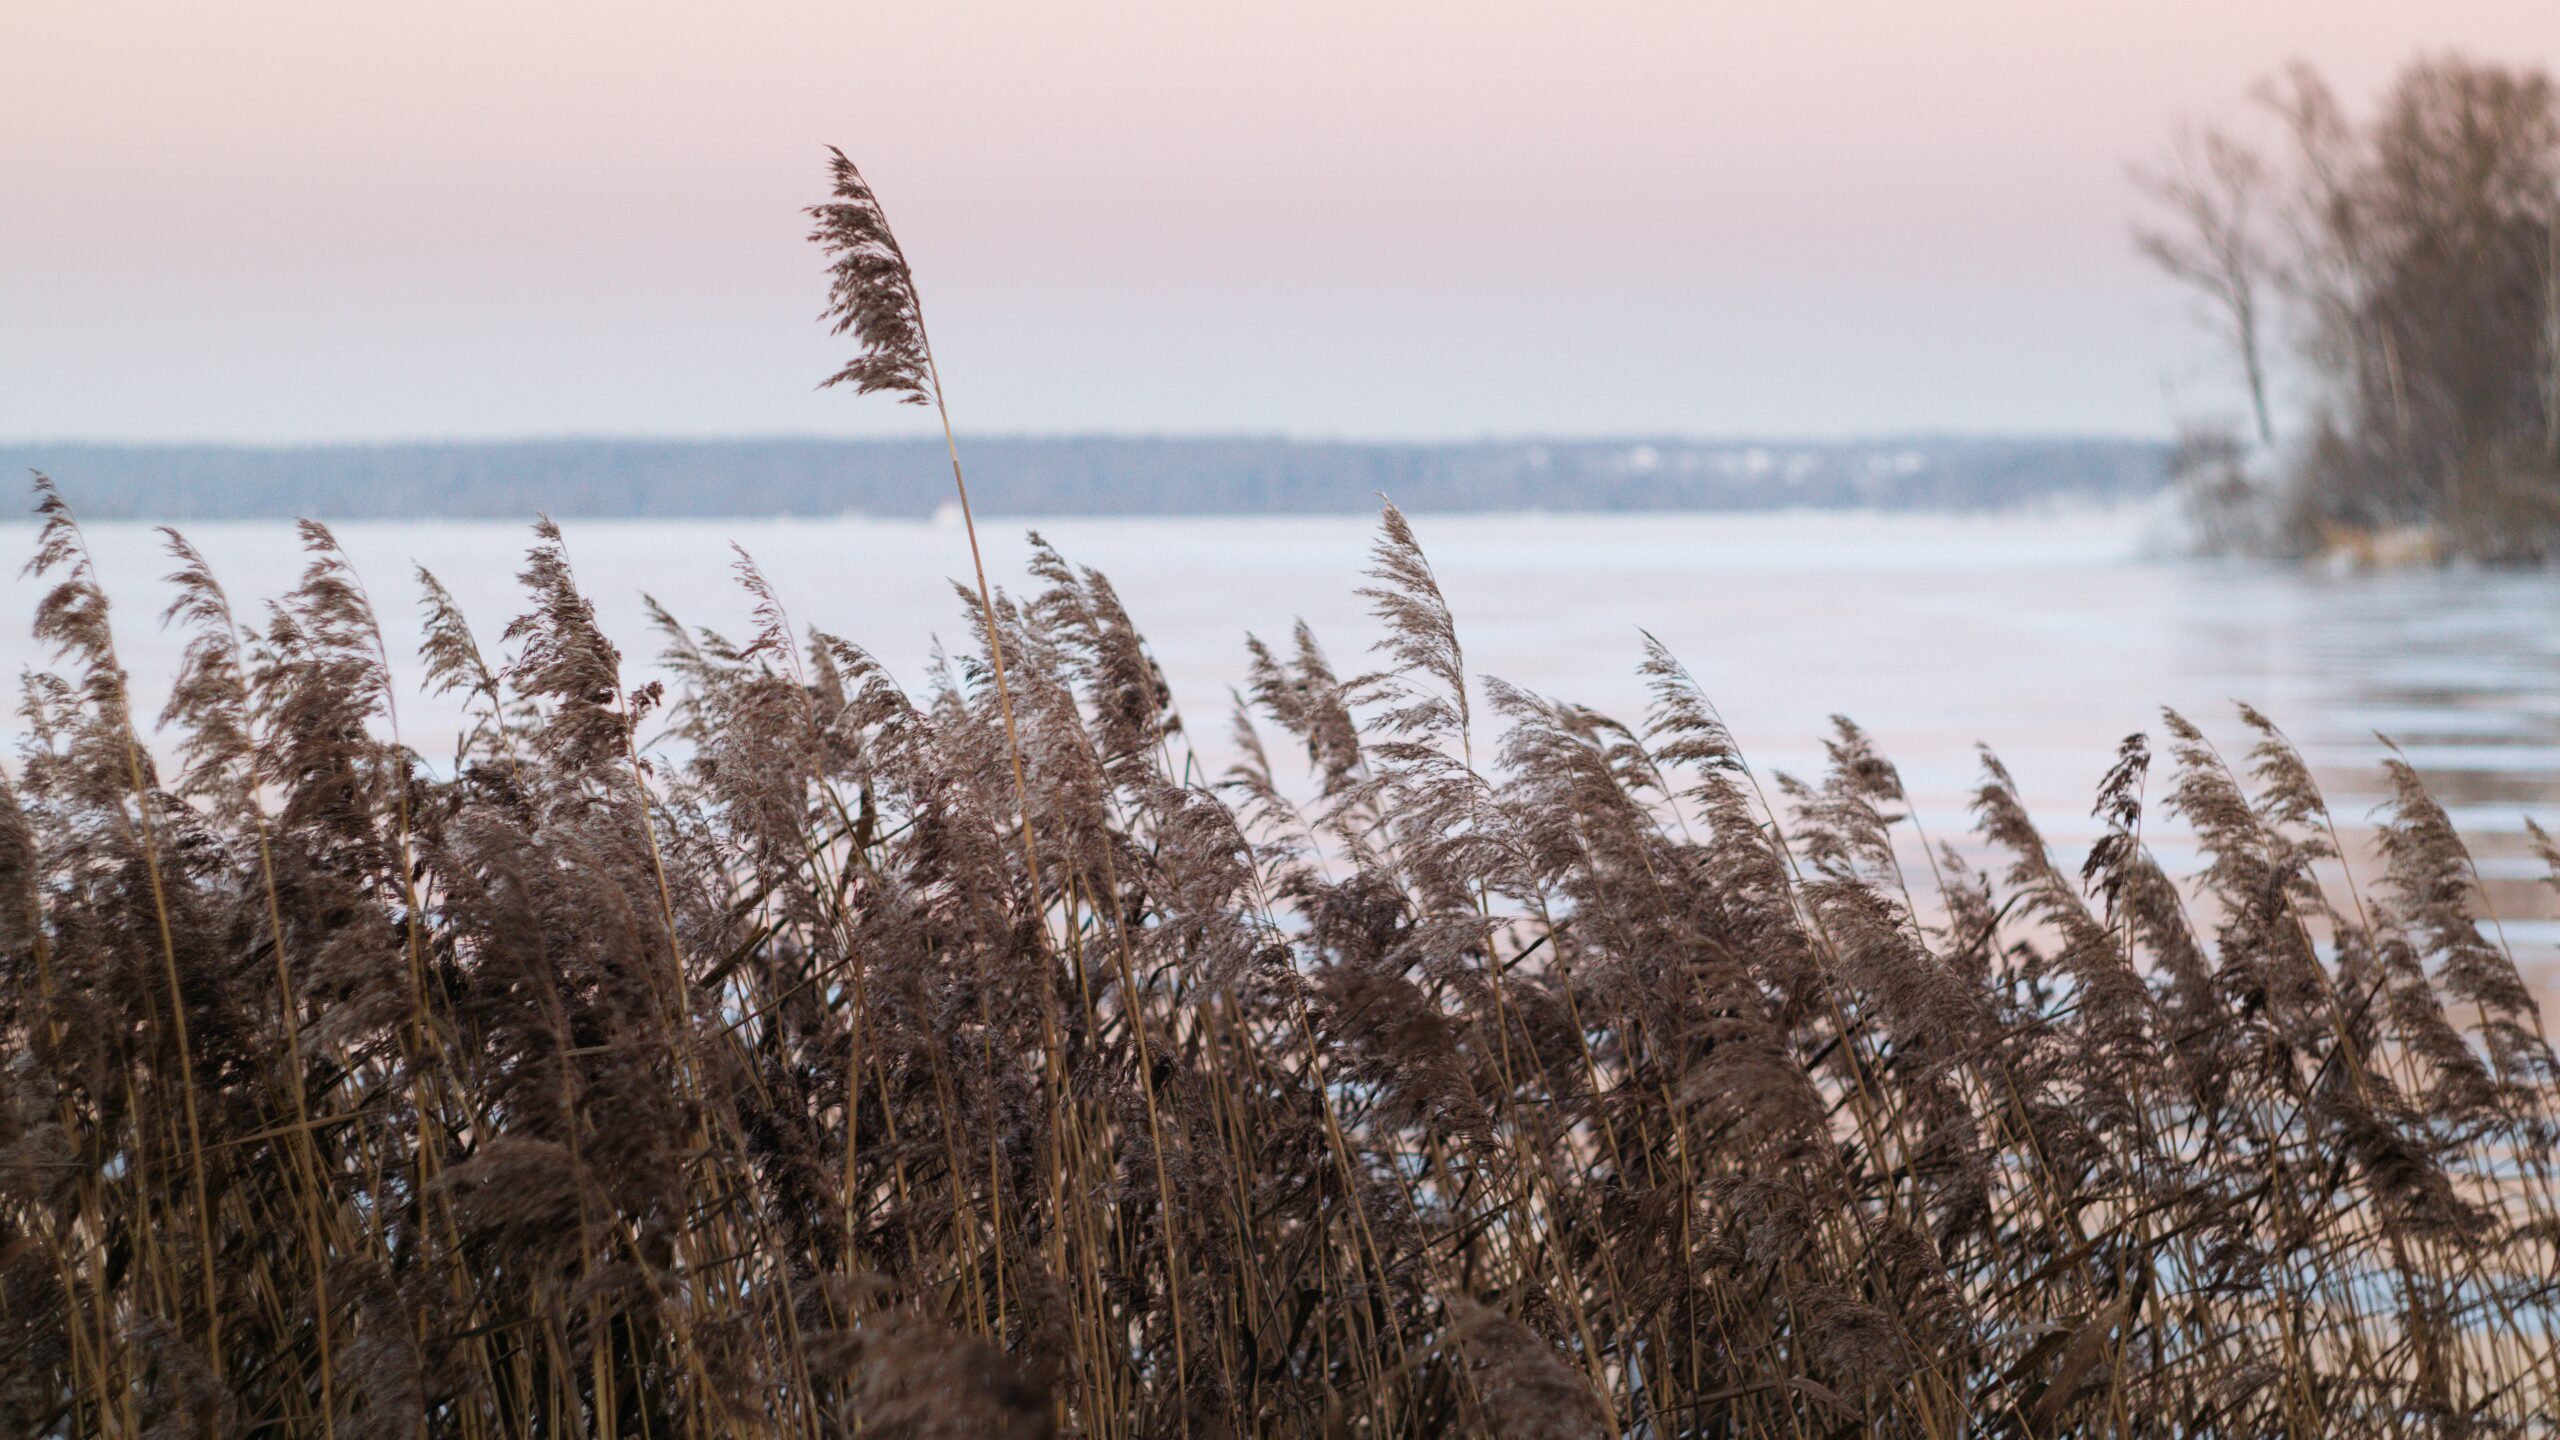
column 838, row 1059
column 1554, row 1081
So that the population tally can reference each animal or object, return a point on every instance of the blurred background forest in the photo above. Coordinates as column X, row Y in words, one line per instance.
column 2387, row 283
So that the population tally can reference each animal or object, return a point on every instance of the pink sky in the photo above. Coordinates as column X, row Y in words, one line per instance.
column 291, row 221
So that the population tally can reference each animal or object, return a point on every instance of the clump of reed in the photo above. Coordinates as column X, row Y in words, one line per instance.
column 787, row 1053
column 714, row 1058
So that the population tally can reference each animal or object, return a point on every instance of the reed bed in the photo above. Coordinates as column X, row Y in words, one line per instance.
column 787, row 1053
column 762, row 1054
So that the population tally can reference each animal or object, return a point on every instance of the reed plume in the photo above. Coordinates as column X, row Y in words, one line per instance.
column 871, row 292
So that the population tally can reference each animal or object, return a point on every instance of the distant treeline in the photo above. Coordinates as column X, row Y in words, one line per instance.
column 1077, row 476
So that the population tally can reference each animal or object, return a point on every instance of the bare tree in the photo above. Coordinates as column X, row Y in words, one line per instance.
column 2551, row 345
column 2210, row 191
column 2415, row 255
column 2324, row 268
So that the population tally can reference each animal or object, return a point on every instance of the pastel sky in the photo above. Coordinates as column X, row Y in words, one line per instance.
column 271, row 221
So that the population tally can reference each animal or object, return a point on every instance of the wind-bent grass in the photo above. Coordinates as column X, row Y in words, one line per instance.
column 824, row 1059
column 716, row 1061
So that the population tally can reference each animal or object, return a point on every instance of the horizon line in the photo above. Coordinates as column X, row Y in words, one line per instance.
column 1266, row 437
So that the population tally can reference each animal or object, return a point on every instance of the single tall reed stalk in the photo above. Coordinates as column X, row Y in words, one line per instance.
column 873, row 294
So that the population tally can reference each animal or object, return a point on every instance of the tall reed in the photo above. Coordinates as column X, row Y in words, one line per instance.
column 872, row 293
column 781, row 1052
column 701, row 1059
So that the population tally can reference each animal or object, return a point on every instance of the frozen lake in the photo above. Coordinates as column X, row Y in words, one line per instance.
column 2046, row 637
